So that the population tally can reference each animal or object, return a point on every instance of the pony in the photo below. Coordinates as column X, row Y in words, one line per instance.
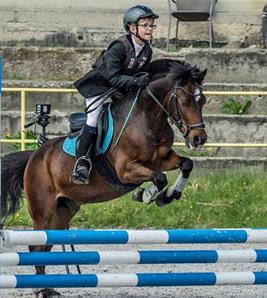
column 143, row 153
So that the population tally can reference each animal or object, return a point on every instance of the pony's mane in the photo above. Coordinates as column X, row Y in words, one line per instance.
column 173, row 69
column 177, row 69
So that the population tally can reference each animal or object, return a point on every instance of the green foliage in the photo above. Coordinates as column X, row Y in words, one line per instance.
column 203, row 152
column 223, row 199
column 30, row 135
column 17, row 77
column 232, row 106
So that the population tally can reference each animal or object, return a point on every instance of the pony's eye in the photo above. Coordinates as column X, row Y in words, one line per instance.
column 184, row 102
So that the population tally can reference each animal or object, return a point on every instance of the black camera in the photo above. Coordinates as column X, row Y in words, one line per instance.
column 42, row 112
column 42, row 109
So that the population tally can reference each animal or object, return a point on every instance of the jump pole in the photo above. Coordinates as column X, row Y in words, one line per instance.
column 51, row 237
column 133, row 257
column 133, row 280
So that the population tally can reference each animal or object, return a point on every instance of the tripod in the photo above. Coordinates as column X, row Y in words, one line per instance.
column 43, row 121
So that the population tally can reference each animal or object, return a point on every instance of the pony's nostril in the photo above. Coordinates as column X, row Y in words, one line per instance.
column 198, row 141
column 203, row 140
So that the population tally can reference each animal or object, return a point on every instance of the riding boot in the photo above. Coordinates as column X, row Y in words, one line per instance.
column 83, row 165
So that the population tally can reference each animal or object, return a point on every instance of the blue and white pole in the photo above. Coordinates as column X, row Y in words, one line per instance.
column 133, row 280
column 133, row 257
column 10, row 238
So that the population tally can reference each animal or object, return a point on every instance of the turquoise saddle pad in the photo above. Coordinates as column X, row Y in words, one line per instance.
column 69, row 145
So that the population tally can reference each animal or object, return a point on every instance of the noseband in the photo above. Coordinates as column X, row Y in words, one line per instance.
column 180, row 123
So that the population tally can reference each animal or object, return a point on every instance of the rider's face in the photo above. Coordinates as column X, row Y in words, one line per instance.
column 145, row 28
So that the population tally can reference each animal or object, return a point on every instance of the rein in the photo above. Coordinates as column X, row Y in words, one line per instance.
column 180, row 123
column 127, row 118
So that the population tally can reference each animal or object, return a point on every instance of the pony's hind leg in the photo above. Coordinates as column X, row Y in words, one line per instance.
column 58, row 219
column 42, row 214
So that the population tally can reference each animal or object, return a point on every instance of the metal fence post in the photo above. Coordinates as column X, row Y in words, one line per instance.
column 23, row 116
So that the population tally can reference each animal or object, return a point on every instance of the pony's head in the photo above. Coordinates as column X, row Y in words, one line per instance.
column 185, row 98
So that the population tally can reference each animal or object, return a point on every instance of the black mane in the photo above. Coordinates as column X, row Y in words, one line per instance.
column 176, row 69
column 173, row 69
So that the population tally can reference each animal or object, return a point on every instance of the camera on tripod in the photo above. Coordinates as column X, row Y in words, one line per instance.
column 42, row 112
column 42, row 109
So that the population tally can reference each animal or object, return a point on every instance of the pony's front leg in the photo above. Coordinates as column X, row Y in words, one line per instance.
column 154, row 191
column 175, row 190
column 135, row 172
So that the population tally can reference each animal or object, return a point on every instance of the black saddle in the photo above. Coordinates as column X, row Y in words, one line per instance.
column 78, row 120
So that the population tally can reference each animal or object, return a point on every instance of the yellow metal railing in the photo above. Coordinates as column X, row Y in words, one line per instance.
column 23, row 91
column 23, row 141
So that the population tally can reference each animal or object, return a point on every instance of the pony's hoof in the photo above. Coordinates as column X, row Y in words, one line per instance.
column 163, row 200
column 138, row 195
column 46, row 293
column 177, row 195
column 160, row 180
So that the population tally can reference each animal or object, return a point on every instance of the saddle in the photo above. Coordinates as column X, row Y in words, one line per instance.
column 104, row 137
column 104, row 128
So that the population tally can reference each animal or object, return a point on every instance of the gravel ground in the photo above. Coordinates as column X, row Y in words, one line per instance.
column 204, row 291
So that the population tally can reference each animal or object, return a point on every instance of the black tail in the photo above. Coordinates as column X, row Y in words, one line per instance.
column 12, row 172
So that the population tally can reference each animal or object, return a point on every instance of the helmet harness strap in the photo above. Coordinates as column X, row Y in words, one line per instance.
column 136, row 34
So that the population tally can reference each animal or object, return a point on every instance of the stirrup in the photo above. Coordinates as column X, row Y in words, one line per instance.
column 77, row 178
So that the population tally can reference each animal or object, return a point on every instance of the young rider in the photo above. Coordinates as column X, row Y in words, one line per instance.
column 116, row 67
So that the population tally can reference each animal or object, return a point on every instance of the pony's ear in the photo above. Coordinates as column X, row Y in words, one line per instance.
column 186, row 75
column 202, row 75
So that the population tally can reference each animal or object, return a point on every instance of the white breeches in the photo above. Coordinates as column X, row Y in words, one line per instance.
column 92, row 116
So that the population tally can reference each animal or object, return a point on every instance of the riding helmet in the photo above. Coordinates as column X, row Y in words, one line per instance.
column 135, row 13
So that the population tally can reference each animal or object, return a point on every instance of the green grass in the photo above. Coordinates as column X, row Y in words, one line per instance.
column 226, row 199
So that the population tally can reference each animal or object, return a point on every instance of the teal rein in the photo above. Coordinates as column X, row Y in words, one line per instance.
column 128, row 117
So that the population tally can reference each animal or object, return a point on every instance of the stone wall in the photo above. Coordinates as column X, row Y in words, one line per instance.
column 91, row 23
column 61, row 64
column 52, row 43
column 73, row 102
column 221, row 129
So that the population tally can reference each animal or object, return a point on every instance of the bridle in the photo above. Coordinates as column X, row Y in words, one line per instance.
column 180, row 123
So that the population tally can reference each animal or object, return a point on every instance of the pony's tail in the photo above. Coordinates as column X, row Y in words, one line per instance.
column 12, row 171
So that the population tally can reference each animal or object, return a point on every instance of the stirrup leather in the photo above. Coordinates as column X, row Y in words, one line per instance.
column 83, row 178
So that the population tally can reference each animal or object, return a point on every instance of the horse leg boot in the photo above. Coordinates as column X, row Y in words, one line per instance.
column 175, row 190
column 155, row 190
column 83, row 165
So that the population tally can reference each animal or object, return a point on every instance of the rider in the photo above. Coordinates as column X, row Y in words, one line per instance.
column 115, row 67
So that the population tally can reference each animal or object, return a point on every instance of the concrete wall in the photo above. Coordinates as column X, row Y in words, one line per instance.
column 79, row 23
column 220, row 128
column 62, row 64
column 73, row 102
column 74, row 22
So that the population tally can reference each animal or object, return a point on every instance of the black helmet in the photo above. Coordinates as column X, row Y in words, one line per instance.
column 135, row 13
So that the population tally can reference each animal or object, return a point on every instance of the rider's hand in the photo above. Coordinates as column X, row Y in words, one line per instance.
column 142, row 80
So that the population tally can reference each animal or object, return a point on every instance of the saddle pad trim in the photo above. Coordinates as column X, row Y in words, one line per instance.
column 109, row 133
column 69, row 146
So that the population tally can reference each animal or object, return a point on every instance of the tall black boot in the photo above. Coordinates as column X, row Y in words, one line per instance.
column 83, row 165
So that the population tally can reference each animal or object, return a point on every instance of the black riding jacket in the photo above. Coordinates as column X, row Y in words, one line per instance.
column 115, row 68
